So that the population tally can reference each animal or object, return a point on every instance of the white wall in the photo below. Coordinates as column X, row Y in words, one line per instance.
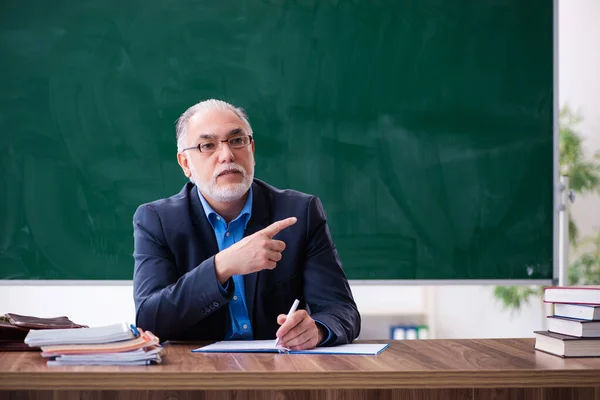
column 473, row 312
column 579, row 86
column 455, row 311
column 100, row 305
column 89, row 305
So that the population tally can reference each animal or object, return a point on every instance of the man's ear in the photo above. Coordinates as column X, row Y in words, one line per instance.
column 183, row 162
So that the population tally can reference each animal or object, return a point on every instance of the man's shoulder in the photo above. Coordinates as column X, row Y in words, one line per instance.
column 172, row 204
column 282, row 194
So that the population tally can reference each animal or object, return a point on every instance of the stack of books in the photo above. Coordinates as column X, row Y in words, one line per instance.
column 117, row 344
column 574, row 327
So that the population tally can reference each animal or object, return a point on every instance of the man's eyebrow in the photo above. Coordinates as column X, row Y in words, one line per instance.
column 233, row 132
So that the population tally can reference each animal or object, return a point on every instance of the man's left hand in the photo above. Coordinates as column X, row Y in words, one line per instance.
column 299, row 332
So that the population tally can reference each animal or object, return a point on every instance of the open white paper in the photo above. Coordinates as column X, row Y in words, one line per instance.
column 268, row 346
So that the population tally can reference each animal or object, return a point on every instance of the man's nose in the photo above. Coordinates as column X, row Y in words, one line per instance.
column 225, row 153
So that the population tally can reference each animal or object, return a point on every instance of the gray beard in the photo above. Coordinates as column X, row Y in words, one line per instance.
column 230, row 192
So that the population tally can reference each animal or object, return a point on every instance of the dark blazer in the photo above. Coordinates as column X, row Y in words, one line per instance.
column 178, row 297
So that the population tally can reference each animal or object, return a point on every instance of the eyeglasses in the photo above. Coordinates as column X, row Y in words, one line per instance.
column 212, row 145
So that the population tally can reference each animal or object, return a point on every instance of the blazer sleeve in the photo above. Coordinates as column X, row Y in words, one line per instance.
column 168, row 302
column 326, row 287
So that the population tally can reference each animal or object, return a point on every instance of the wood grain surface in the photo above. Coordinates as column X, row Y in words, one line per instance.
column 486, row 368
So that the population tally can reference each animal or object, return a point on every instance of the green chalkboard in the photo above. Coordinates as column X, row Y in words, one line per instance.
column 426, row 127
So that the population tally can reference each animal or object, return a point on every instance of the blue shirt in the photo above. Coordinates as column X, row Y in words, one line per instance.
column 239, row 327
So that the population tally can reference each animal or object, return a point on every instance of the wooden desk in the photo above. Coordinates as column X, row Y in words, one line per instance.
column 413, row 369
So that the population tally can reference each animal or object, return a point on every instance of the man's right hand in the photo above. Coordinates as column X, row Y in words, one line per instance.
column 253, row 253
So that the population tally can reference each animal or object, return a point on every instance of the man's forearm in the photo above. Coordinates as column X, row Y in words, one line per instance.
column 175, row 308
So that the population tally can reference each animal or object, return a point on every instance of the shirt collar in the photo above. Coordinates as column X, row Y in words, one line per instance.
column 212, row 215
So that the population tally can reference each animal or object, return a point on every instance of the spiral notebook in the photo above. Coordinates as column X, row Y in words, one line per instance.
column 268, row 346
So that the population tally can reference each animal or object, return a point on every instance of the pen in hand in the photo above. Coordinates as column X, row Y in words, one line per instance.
column 289, row 314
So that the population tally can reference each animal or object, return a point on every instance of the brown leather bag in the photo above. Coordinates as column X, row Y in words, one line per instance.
column 14, row 328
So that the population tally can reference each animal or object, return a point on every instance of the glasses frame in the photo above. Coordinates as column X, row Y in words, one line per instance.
column 220, row 146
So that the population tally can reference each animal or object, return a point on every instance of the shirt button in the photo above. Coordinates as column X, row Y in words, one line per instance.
column 245, row 326
column 218, row 218
column 227, row 234
column 235, row 297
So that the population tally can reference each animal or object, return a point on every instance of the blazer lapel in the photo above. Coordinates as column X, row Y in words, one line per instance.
column 260, row 219
column 199, row 219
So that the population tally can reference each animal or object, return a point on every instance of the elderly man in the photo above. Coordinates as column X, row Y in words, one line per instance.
column 225, row 258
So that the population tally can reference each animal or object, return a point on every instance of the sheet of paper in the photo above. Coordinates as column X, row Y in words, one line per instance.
column 262, row 346
column 354, row 348
column 240, row 345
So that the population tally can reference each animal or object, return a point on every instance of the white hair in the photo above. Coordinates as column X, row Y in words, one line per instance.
column 182, row 121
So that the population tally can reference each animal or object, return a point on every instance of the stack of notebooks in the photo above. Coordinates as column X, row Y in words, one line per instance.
column 574, row 327
column 117, row 344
